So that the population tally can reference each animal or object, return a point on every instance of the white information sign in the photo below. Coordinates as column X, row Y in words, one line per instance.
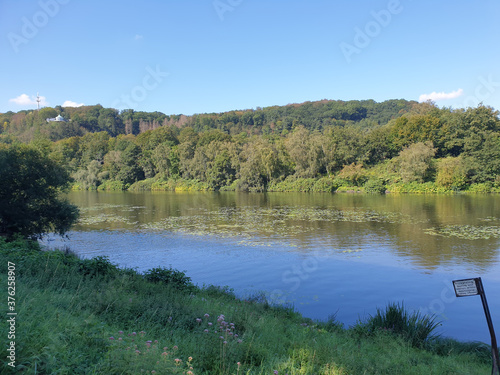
column 465, row 288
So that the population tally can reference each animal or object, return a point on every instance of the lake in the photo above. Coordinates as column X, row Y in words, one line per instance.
column 325, row 254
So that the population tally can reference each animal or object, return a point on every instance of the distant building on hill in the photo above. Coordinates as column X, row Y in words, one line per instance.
column 58, row 118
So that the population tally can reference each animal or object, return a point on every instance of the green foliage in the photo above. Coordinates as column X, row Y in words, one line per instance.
column 30, row 202
column 418, row 188
column 174, row 278
column 305, row 185
column 375, row 186
column 98, row 266
column 110, row 185
column 414, row 327
column 415, row 162
column 395, row 141
column 352, row 175
column 90, row 178
column 452, row 173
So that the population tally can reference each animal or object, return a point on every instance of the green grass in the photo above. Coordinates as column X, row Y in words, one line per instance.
column 90, row 317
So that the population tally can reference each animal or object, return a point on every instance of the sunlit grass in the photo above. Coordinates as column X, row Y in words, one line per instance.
column 90, row 317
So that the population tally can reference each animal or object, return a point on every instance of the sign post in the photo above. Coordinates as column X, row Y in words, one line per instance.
column 473, row 287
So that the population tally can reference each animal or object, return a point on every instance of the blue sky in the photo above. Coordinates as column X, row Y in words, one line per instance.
column 216, row 55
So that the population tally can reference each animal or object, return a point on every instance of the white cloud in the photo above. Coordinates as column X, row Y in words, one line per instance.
column 435, row 96
column 138, row 37
column 69, row 103
column 26, row 100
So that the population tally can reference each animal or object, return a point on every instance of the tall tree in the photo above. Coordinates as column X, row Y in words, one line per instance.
column 30, row 202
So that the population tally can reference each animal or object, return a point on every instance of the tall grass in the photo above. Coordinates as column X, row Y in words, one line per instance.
column 413, row 327
column 90, row 317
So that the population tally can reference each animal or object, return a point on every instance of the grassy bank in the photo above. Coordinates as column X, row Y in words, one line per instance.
column 90, row 317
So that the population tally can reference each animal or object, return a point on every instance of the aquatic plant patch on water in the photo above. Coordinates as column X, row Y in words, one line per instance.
column 274, row 224
column 466, row 232
column 104, row 218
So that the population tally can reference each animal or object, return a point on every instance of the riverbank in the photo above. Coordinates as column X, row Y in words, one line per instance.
column 90, row 317
column 304, row 185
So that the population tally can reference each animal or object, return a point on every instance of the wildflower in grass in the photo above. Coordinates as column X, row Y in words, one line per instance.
column 198, row 320
column 190, row 359
column 175, row 347
column 224, row 342
column 133, row 334
column 153, row 371
column 111, row 338
column 275, row 372
column 165, row 348
column 206, row 330
column 120, row 332
column 239, row 341
column 189, row 373
column 221, row 337
column 210, row 324
column 156, row 341
column 206, row 316
column 142, row 333
column 164, row 354
column 177, row 361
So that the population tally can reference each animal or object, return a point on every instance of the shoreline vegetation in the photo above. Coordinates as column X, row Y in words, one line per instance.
column 299, row 185
column 88, row 316
column 395, row 146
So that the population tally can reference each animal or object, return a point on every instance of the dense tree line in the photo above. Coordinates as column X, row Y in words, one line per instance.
column 27, row 125
column 357, row 143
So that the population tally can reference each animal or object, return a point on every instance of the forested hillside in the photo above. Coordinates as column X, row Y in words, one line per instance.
column 314, row 146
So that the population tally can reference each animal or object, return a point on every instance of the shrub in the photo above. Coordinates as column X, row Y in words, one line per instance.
column 172, row 277
column 353, row 174
column 98, row 266
column 415, row 162
column 375, row 186
column 480, row 187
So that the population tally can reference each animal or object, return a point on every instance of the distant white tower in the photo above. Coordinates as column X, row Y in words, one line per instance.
column 37, row 102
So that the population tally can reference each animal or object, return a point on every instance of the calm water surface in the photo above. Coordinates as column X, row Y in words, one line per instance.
column 327, row 254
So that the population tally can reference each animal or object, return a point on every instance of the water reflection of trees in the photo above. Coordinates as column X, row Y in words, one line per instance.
column 316, row 221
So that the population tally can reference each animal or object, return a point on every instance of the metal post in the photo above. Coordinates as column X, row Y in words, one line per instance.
column 494, row 348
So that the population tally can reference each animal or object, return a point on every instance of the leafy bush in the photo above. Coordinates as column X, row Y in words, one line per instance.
column 98, row 266
column 304, row 185
column 110, row 185
column 375, row 186
column 353, row 174
column 480, row 188
column 172, row 277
